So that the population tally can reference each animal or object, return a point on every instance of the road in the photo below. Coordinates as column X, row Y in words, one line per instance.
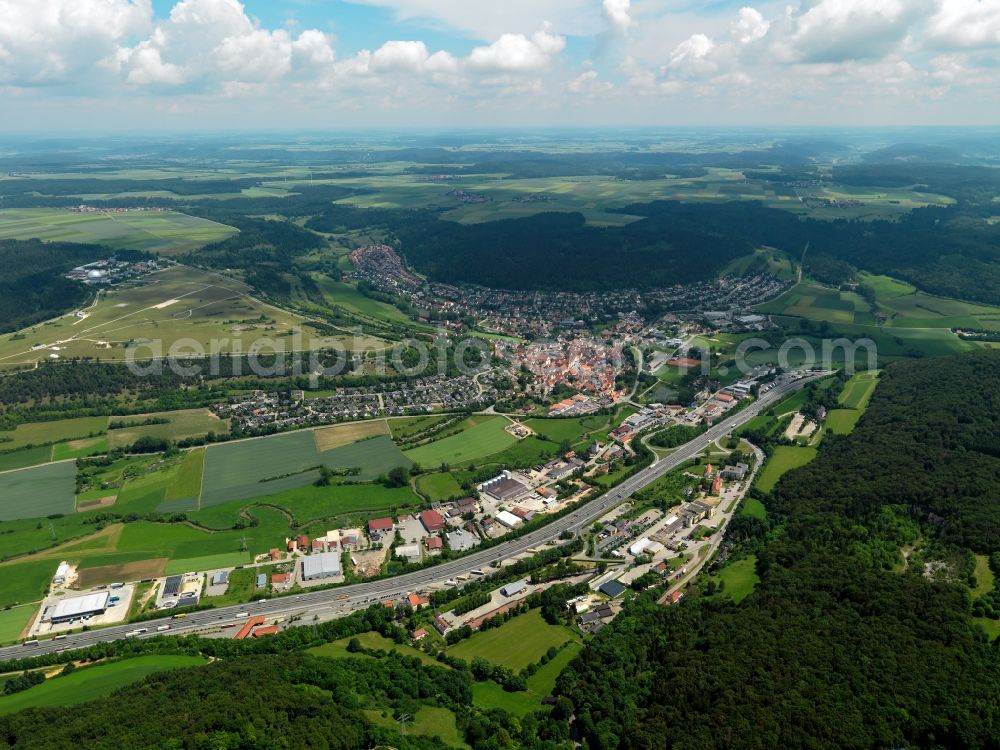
column 344, row 599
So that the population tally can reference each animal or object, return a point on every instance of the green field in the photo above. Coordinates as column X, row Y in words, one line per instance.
column 185, row 423
column 985, row 580
column 572, row 430
column 427, row 721
column 841, row 421
column 13, row 621
column 740, row 578
column 39, row 433
column 858, row 390
column 785, row 459
column 515, row 644
column 751, row 506
column 39, row 491
column 489, row 694
column 374, row 641
column 164, row 232
column 89, row 683
column 145, row 318
column 265, row 466
column 439, row 487
column 483, row 439
column 25, row 457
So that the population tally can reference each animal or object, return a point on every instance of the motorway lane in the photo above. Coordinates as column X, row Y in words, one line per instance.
column 344, row 599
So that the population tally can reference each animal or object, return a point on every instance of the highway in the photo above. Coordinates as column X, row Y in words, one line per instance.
column 344, row 599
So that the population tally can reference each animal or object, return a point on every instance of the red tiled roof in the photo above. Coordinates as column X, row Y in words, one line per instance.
column 267, row 630
column 434, row 542
column 380, row 524
column 432, row 520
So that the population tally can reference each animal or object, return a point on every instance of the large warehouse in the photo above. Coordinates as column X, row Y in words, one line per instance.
column 323, row 565
column 79, row 606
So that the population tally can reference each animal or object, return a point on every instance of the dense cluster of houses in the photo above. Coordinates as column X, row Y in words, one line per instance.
column 286, row 410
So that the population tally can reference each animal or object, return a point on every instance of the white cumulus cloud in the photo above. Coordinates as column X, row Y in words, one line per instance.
column 617, row 12
column 517, row 52
column 749, row 26
column 965, row 24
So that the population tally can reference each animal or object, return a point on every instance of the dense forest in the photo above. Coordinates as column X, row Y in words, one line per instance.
column 841, row 645
column 33, row 288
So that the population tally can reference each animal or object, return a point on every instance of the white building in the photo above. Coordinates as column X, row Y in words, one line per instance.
column 79, row 607
column 322, row 565
column 508, row 519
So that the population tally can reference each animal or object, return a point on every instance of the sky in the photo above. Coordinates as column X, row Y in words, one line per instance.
column 218, row 65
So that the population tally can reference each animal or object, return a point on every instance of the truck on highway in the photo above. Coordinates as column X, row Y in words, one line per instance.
column 161, row 628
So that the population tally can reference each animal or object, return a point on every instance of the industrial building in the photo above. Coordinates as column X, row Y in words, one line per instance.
column 505, row 488
column 78, row 607
column 513, row 589
column 509, row 519
column 323, row 565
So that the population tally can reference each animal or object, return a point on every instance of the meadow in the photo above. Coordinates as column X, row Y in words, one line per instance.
column 477, row 441
column 540, row 685
column 515, row 644
column 375, row 642
column 439, row 487
column 88, row 683
column 784, row 459
column 43, row 433
column 163, row 232
column 177, row 307
column 13, row 621
column 858, row 390
column 740, row 578
column 185, row 423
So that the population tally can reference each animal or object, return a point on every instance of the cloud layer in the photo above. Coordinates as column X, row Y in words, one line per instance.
column 820, row 55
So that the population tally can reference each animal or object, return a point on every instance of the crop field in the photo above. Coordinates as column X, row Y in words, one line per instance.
column 439, row 487
column 164, row 232
column 265, row 466
column 476, row 442
column 192, row 310
column 89, row 683
column 902, row 310
column 38, row 491
column 595, row 196
column 785, row 459
column 182, row 424
column 25, row 457
column 515, row 644
column 328, row 438
column 41, row 433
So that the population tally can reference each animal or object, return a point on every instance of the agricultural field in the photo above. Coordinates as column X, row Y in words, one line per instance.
column 598, row 197
column 404, row 428
column 44, row 433
column 572, row 430
column 37, row 492
column 515, row 644
column 13, row 621
column 186, row 423
column 472, row 444
column 328, row 438
column 186, row 308
column 163, row 232
column 784, row 459
column 265, row 466
column 88, row 683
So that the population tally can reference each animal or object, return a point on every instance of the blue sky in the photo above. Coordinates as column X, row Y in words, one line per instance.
column 218, row 64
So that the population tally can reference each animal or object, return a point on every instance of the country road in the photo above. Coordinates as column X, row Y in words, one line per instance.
column 344, row 599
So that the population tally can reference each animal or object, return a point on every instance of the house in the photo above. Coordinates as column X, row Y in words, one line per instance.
column 724, row 398
column 379, row 526
column 612, row 589
column 735, row 472
column 303, row 542
column 441, row 626
column 432, row 520
column 418, row 635
column 279, row 579
column 434, row 543
column 466, row 505
column 674, row 596
column 319, row 545
column 292, row 545
column 418, row 600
